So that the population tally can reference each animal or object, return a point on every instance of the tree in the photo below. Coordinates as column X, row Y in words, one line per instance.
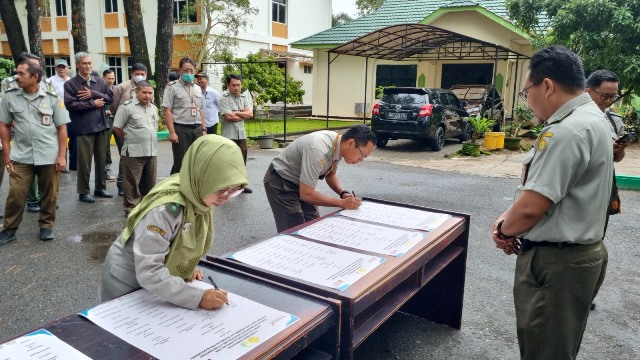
column 225, row 18
column 264, row 79
column 33, row 27
column 164, row 46
column 604, row 33
column 6, row 68
column 368, row 6
column 78, row 27
column 340, row 18
column 135, row 30
column 13, row 28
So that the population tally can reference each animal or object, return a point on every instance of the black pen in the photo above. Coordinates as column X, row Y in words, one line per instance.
column 353, row 193
column 214, row 284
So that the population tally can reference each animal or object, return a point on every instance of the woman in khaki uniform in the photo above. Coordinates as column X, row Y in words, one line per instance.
column 168, row 232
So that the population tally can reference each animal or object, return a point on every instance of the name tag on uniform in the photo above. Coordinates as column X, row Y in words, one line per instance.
column 194, row 112
column 46, row 119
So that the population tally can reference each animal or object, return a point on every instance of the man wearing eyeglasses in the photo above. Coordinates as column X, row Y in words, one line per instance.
column 557, row 221
column 292, row 177
column 603, row 86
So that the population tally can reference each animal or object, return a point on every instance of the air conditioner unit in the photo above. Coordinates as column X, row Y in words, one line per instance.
column 359, row 106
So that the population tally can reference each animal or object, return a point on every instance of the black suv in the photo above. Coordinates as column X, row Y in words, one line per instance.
column 420, row 114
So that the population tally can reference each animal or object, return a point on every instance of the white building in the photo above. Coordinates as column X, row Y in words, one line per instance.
column 277, row 24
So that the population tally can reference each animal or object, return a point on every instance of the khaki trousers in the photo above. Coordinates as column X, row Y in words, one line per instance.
column 552, row 291
column 242, row 144
column 139, row 178
column 187, row 135
column 19, row 184
column 92, row 146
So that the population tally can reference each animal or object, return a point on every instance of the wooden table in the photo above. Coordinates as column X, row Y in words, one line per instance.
column 314, row 336
column 427, row 281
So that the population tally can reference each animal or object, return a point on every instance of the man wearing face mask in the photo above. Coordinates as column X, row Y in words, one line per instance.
column 183, row 112
column 124, row 92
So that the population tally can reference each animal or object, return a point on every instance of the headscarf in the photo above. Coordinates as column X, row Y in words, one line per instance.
column 210, row 164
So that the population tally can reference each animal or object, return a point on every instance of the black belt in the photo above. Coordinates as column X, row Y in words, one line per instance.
column 528, row 244
column 190, row 126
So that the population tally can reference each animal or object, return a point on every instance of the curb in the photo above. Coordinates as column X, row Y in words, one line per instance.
column 628, row 182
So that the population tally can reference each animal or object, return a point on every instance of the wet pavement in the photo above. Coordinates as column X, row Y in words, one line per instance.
column 43, row 281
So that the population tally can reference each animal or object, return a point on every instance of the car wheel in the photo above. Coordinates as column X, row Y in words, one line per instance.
column 466, row 133
column 437, row 142
column 382, row 141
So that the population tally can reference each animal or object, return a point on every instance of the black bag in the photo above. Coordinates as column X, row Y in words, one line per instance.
column 614, row 203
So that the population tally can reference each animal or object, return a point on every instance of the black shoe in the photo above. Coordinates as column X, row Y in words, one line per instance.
column 247, row 190
column 33, row 207
column 6, row 236
column 593, row 306
column 46, row 234
column 1, row 214
column 120, row 192
column 86, row 198
column 102, row 194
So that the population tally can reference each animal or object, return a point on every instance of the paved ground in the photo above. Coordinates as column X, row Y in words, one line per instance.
column 40, row 282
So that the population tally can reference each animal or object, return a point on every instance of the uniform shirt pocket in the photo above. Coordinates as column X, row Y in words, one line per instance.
column 138, row 121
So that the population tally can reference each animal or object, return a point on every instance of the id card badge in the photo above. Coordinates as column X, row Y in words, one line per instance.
column 46, row 119
column 194, row 112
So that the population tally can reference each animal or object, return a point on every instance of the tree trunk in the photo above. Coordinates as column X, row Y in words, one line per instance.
column 13, row 28
column 164, row 46
column 135, row 29
column 78, row 27
column 33, row 27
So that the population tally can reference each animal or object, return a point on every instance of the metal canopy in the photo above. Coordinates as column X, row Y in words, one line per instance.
column 423, row 42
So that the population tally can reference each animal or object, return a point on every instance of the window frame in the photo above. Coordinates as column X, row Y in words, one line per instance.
column 279, row 11
column 61, row 8
column 110, row 6
column 45, row 9
column 307, row 69
column 116, row 67
column 178, row 9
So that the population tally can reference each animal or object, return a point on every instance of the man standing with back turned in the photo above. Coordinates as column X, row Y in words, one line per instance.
column 556, row 224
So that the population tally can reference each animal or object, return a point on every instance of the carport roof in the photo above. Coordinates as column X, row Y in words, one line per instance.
column 422, row 42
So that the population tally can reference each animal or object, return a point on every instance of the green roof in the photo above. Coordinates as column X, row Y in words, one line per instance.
column 394, row 12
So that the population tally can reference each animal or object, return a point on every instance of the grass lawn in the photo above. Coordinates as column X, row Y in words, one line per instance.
column 256, row 127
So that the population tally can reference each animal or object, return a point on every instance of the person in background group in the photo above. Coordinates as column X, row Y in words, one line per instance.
column 291, row 179
column 137, row 123
column 557, row 221
column 38, row 118
column 85, row 96
column 183, row 115
column 173, row 76
column 125, row 92
column 168, row 232
column 235, row 107
column 109, row 78
column 58, row 80
column 211, row 103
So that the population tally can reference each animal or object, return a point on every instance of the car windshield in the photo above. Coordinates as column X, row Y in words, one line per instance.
column 470, row 93
column 403, row 98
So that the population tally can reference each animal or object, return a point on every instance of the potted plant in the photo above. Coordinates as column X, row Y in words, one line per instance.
column 480, row 126
column 524, row 115
column 265, row 141
column 511, row 130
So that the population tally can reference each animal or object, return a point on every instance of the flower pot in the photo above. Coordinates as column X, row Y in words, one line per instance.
column 265, row 141
column 512, row 143
column 470, row 149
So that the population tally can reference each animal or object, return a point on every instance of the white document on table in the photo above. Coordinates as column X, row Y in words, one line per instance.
column 40, row 344
column 397, row 216
column 167, row 331
column 305, row 260
column 364, row 236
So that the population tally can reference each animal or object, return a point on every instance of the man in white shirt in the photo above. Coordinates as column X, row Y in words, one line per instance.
column 211, row 103
column 58, row 80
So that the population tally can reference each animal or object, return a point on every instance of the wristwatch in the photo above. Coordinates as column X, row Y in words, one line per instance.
column 501, row 235
column 343, row 192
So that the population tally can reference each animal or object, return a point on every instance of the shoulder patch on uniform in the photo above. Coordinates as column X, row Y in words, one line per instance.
column 127, row 102
column 172, row 82
column 174, row 209
column 542, row 143
column 156, row 228
column 60, row 103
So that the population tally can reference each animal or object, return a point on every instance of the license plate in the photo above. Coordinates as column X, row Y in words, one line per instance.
column 397, row 116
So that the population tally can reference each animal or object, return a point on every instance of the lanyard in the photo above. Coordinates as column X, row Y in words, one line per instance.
column 188, row 90
column 34, row 106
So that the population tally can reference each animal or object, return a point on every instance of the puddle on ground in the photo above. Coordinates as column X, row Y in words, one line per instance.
column 99, row 241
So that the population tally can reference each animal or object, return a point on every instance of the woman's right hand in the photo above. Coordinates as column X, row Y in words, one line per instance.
column 213, row 299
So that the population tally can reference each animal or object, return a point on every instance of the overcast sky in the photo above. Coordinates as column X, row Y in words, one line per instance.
column 348, row 6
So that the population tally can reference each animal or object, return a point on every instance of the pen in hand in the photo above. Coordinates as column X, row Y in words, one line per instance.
column 214, row 285
column 353, row 193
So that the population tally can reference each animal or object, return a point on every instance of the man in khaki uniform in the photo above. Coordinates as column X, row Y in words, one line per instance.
column 137, row 123
column 557, row 222
column 39, row 121
column 125, row 91
column 235, row 107
column 183, row 112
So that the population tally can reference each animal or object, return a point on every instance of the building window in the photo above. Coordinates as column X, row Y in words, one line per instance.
column 45, row 8
column 184, row 11
column 50, row 64
column 115, row 64
column 308, row 69
column 396, row 75
column 61, row 7
column 110, row 6
column 278, row 11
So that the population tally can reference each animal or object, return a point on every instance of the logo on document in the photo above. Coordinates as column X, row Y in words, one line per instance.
column 252, row 341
